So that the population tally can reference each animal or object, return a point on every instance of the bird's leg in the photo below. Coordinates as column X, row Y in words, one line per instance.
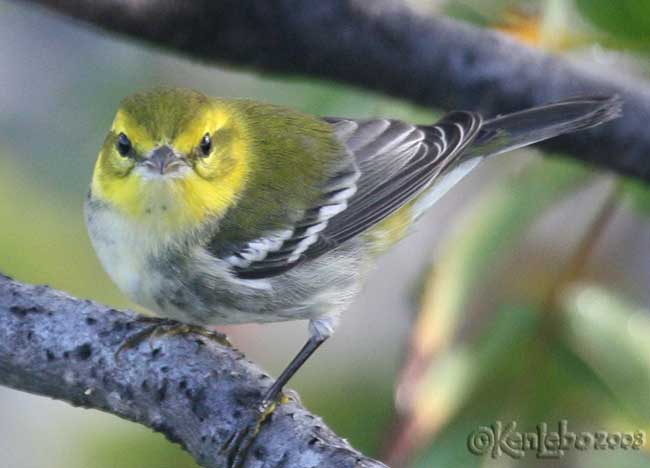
column 168, row 327
column 239, row 442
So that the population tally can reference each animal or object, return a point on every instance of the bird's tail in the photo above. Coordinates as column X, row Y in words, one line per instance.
column 519, row 129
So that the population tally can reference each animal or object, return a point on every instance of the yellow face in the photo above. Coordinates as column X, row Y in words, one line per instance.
column 172, row 157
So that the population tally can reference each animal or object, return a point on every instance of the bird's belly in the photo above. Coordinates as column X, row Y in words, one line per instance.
column 193, row 286
column 210, row 295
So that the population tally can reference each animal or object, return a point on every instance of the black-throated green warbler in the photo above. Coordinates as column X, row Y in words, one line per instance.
column 217, row 211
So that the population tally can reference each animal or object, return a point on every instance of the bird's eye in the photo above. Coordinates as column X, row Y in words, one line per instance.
column 206, row 144
column 123, row 144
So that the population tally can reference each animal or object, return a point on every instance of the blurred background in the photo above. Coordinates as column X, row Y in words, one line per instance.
column 523, row 296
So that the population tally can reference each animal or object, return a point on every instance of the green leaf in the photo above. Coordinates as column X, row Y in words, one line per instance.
column 485, row 234
column 611, row 336
column 627, row 20
column 129, row 445
column 638, row 195
column 443, row 372
column 455, row 378
column 359, row 407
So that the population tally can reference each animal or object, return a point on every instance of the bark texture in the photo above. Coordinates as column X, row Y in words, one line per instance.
column 193, row 390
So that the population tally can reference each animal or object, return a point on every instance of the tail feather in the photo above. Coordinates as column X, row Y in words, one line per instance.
column 519, row 129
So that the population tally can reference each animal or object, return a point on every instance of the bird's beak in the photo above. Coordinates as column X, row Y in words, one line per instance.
column 163, row 160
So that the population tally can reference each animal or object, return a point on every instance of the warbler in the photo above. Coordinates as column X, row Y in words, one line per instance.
column 216, row 211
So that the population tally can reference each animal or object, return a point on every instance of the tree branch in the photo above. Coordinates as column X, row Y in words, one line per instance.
column 192, row 390
column 383, row 46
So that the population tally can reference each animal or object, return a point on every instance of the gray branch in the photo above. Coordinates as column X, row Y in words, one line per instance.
column 191, row 389
column 381, row 45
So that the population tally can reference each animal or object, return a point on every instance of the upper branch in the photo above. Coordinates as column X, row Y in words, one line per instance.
column 192, row 390
column 383, row 46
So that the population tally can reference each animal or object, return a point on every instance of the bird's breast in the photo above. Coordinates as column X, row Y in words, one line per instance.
column 125, row 249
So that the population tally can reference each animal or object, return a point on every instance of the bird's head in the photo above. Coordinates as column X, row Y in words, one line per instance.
column 174, row 156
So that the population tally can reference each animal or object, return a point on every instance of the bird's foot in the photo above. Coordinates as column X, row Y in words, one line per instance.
column 239, row 443
column 167, row 327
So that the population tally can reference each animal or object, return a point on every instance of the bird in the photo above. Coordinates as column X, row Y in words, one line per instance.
column 214, row 211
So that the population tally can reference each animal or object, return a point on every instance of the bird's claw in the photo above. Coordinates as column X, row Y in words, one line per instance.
column 239, row 443
column 177, row 328
column 165, row 327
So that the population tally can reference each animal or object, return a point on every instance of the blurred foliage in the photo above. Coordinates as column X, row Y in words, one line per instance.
column 506, row 335
column 552, row 24
column 133, row 447
column 626, row 21
column 43, row 235
column 595, row 316
column 638, row 196
column 481, row 352
column 503, row 333
column 479, row 239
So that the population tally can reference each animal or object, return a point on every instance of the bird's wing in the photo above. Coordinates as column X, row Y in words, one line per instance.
column 393, row 162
